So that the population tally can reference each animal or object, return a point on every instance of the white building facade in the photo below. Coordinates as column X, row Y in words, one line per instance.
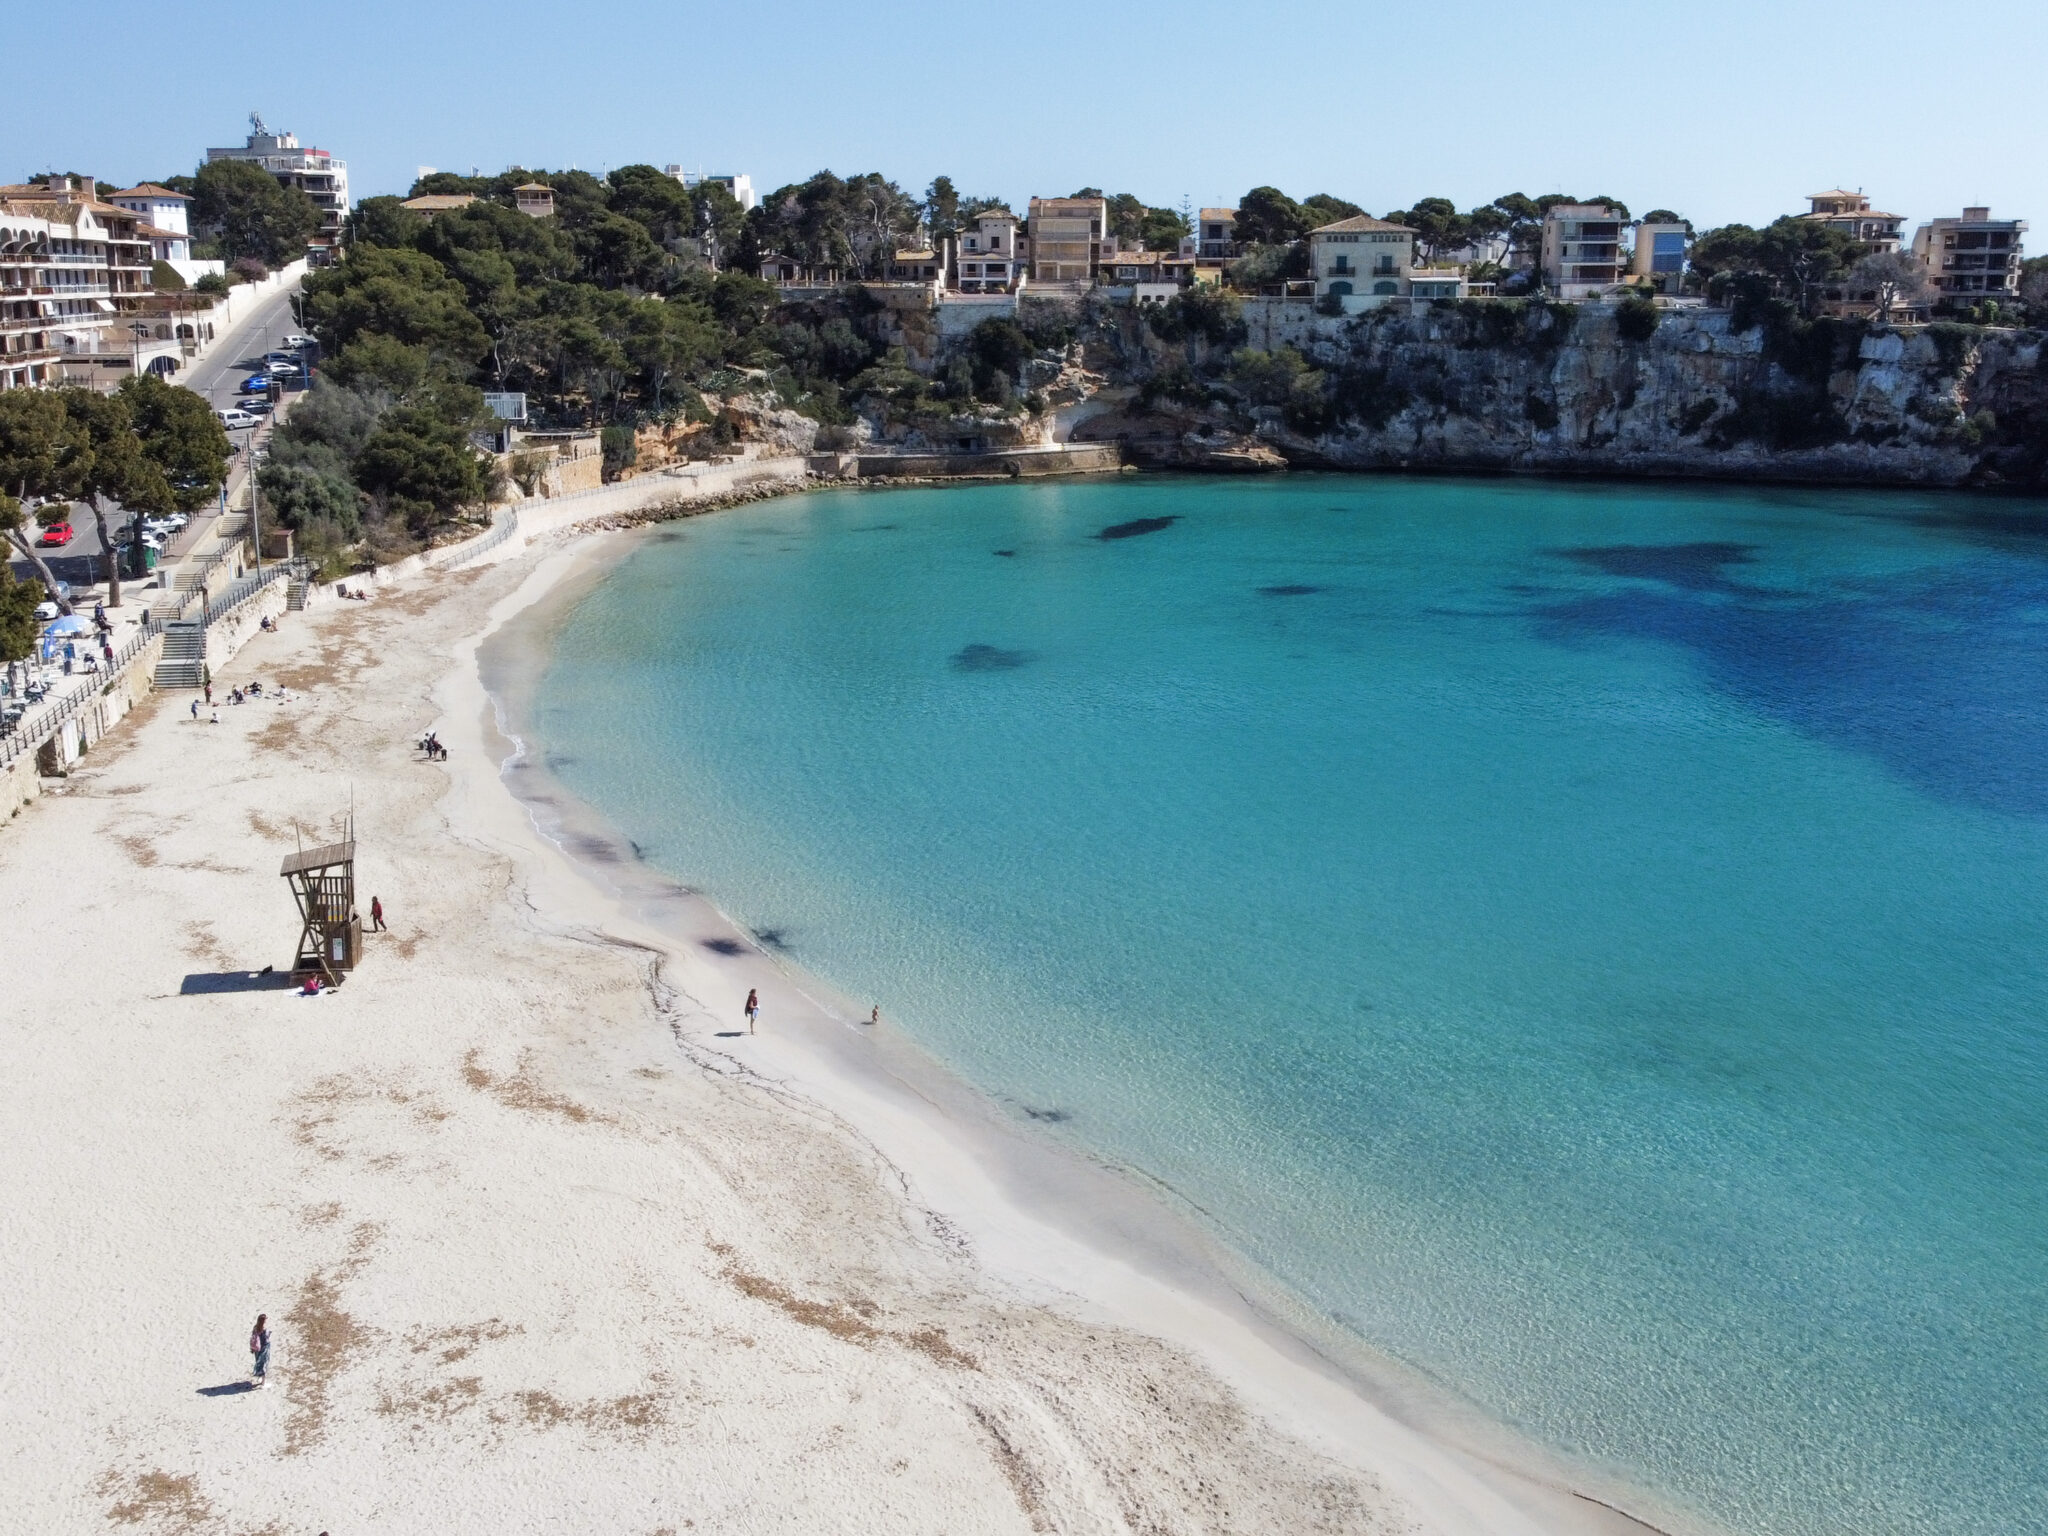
column 1361, row 263
column 314, row 172
column 1972, row 258
column 989, row 261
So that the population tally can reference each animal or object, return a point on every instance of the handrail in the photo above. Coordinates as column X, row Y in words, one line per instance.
column 483, row 543
column 242, row 588
column 39, row 725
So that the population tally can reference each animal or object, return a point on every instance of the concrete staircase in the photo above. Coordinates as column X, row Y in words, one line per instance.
column 295, row 594
column 183, row 662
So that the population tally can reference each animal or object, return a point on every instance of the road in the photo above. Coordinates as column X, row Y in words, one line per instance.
column 233, row 357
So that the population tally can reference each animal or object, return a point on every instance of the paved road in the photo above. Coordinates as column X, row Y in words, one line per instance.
column 215, row 376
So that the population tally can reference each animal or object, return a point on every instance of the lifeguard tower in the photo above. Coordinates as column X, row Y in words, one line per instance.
column 323, row 882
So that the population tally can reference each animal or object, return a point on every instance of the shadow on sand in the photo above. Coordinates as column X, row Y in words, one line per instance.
column 204, row 983
column 228, row 1389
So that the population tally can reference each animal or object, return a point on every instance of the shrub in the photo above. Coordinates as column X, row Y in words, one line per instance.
column 211, row 282
column 1637, row 319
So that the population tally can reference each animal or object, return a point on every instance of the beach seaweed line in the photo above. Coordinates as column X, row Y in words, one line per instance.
column 169, row 1503
column 325, row 1341
column 847, row 1320
column 522, row 1091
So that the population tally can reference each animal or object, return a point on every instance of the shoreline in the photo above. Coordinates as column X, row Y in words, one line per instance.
column 541, row 1250
column 1063, row 1223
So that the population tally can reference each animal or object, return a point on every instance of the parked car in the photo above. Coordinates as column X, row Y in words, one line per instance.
column 275, row 358
column 47, row 610
column 295, row 342
column 237, row 420
column 162, row 527
column 258, row 406
column 56, row 536
column 255, row 384
column 283, row 370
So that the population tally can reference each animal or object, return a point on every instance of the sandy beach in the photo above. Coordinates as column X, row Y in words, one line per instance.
column 544, row 1243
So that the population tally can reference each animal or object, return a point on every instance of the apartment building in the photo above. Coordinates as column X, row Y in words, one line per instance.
column 1215, row 236
column 1659, row 257
column 1851, row 213
column 990, row 258
column 1581, row 252
column 1972, row 258
column 71, row 268
column 1361, row 262
column 1066, row 236
column 741, row 187
column 314, row 172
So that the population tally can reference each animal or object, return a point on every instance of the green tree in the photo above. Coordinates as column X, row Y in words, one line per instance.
column 36, row 438
column 942, row 207
column 384, row 221
column 106, row 462
column 406, row 295
column 1268, row 216
column 18, row 601
column 300, row 498
column 181, row 436
column 422, row 467
column 1324, row 209
column 251, row 213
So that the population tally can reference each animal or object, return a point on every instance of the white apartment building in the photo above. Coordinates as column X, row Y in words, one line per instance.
column 164, row 217
column 313, row 171
column 71, row 268
column 989, row 261
column 1581, row 255
column 741, row 187
column 1361, row 262
column 1972, row 258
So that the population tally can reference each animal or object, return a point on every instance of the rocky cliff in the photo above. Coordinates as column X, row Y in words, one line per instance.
column 1589, row 389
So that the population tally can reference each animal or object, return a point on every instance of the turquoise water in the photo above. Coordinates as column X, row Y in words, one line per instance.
column 1589, row 941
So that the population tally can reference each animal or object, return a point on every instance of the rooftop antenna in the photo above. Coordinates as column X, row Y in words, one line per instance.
column 256, row 122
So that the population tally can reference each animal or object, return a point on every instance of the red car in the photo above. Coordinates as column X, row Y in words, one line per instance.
column 56, row 536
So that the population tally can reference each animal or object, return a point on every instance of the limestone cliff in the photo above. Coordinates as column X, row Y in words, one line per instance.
column 1592, row 389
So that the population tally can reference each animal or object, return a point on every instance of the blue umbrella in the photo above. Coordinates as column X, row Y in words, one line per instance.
column 69, row 624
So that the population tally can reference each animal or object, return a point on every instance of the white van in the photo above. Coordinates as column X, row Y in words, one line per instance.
column 235, row 420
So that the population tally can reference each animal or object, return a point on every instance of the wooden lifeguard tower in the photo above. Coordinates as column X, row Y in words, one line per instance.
column 323, row 882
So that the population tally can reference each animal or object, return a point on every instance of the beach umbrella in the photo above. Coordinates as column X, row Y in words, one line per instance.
column 69, row 624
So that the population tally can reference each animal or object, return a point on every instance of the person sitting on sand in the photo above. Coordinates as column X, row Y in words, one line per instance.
column 311, row 987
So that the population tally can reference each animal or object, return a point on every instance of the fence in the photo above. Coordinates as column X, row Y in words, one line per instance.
column 483, row 543
column 38, row 725
column 242, row 588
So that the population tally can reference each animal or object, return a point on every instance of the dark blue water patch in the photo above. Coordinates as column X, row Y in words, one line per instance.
column 1290, row 589
column 989, row 658
column 1006, row 554
column 1937, row 676
column 776, row 939
column 1049, row 1116
column 876, row 528
column 1699, row 567
column 1135, row 527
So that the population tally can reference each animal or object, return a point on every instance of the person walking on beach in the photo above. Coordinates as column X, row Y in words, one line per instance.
column 209, row 691
column 259, row 1349
column 376, row 914
column 195, row 709
column 753, row 1008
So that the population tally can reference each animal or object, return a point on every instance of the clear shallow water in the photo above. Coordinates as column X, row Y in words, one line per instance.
column 1588, row 940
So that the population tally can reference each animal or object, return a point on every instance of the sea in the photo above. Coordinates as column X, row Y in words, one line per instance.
column 1585, row 941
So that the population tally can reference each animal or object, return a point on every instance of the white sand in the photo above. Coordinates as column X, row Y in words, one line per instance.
column 542, row 1249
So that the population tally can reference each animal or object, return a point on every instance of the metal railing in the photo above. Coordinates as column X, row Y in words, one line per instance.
column 39, row 724
column 482, row 544
column 240, row 590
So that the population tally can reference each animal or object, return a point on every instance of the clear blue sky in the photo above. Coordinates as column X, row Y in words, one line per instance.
column 1722, row 112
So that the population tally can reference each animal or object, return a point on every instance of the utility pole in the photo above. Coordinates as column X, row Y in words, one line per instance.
column 255, row 507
